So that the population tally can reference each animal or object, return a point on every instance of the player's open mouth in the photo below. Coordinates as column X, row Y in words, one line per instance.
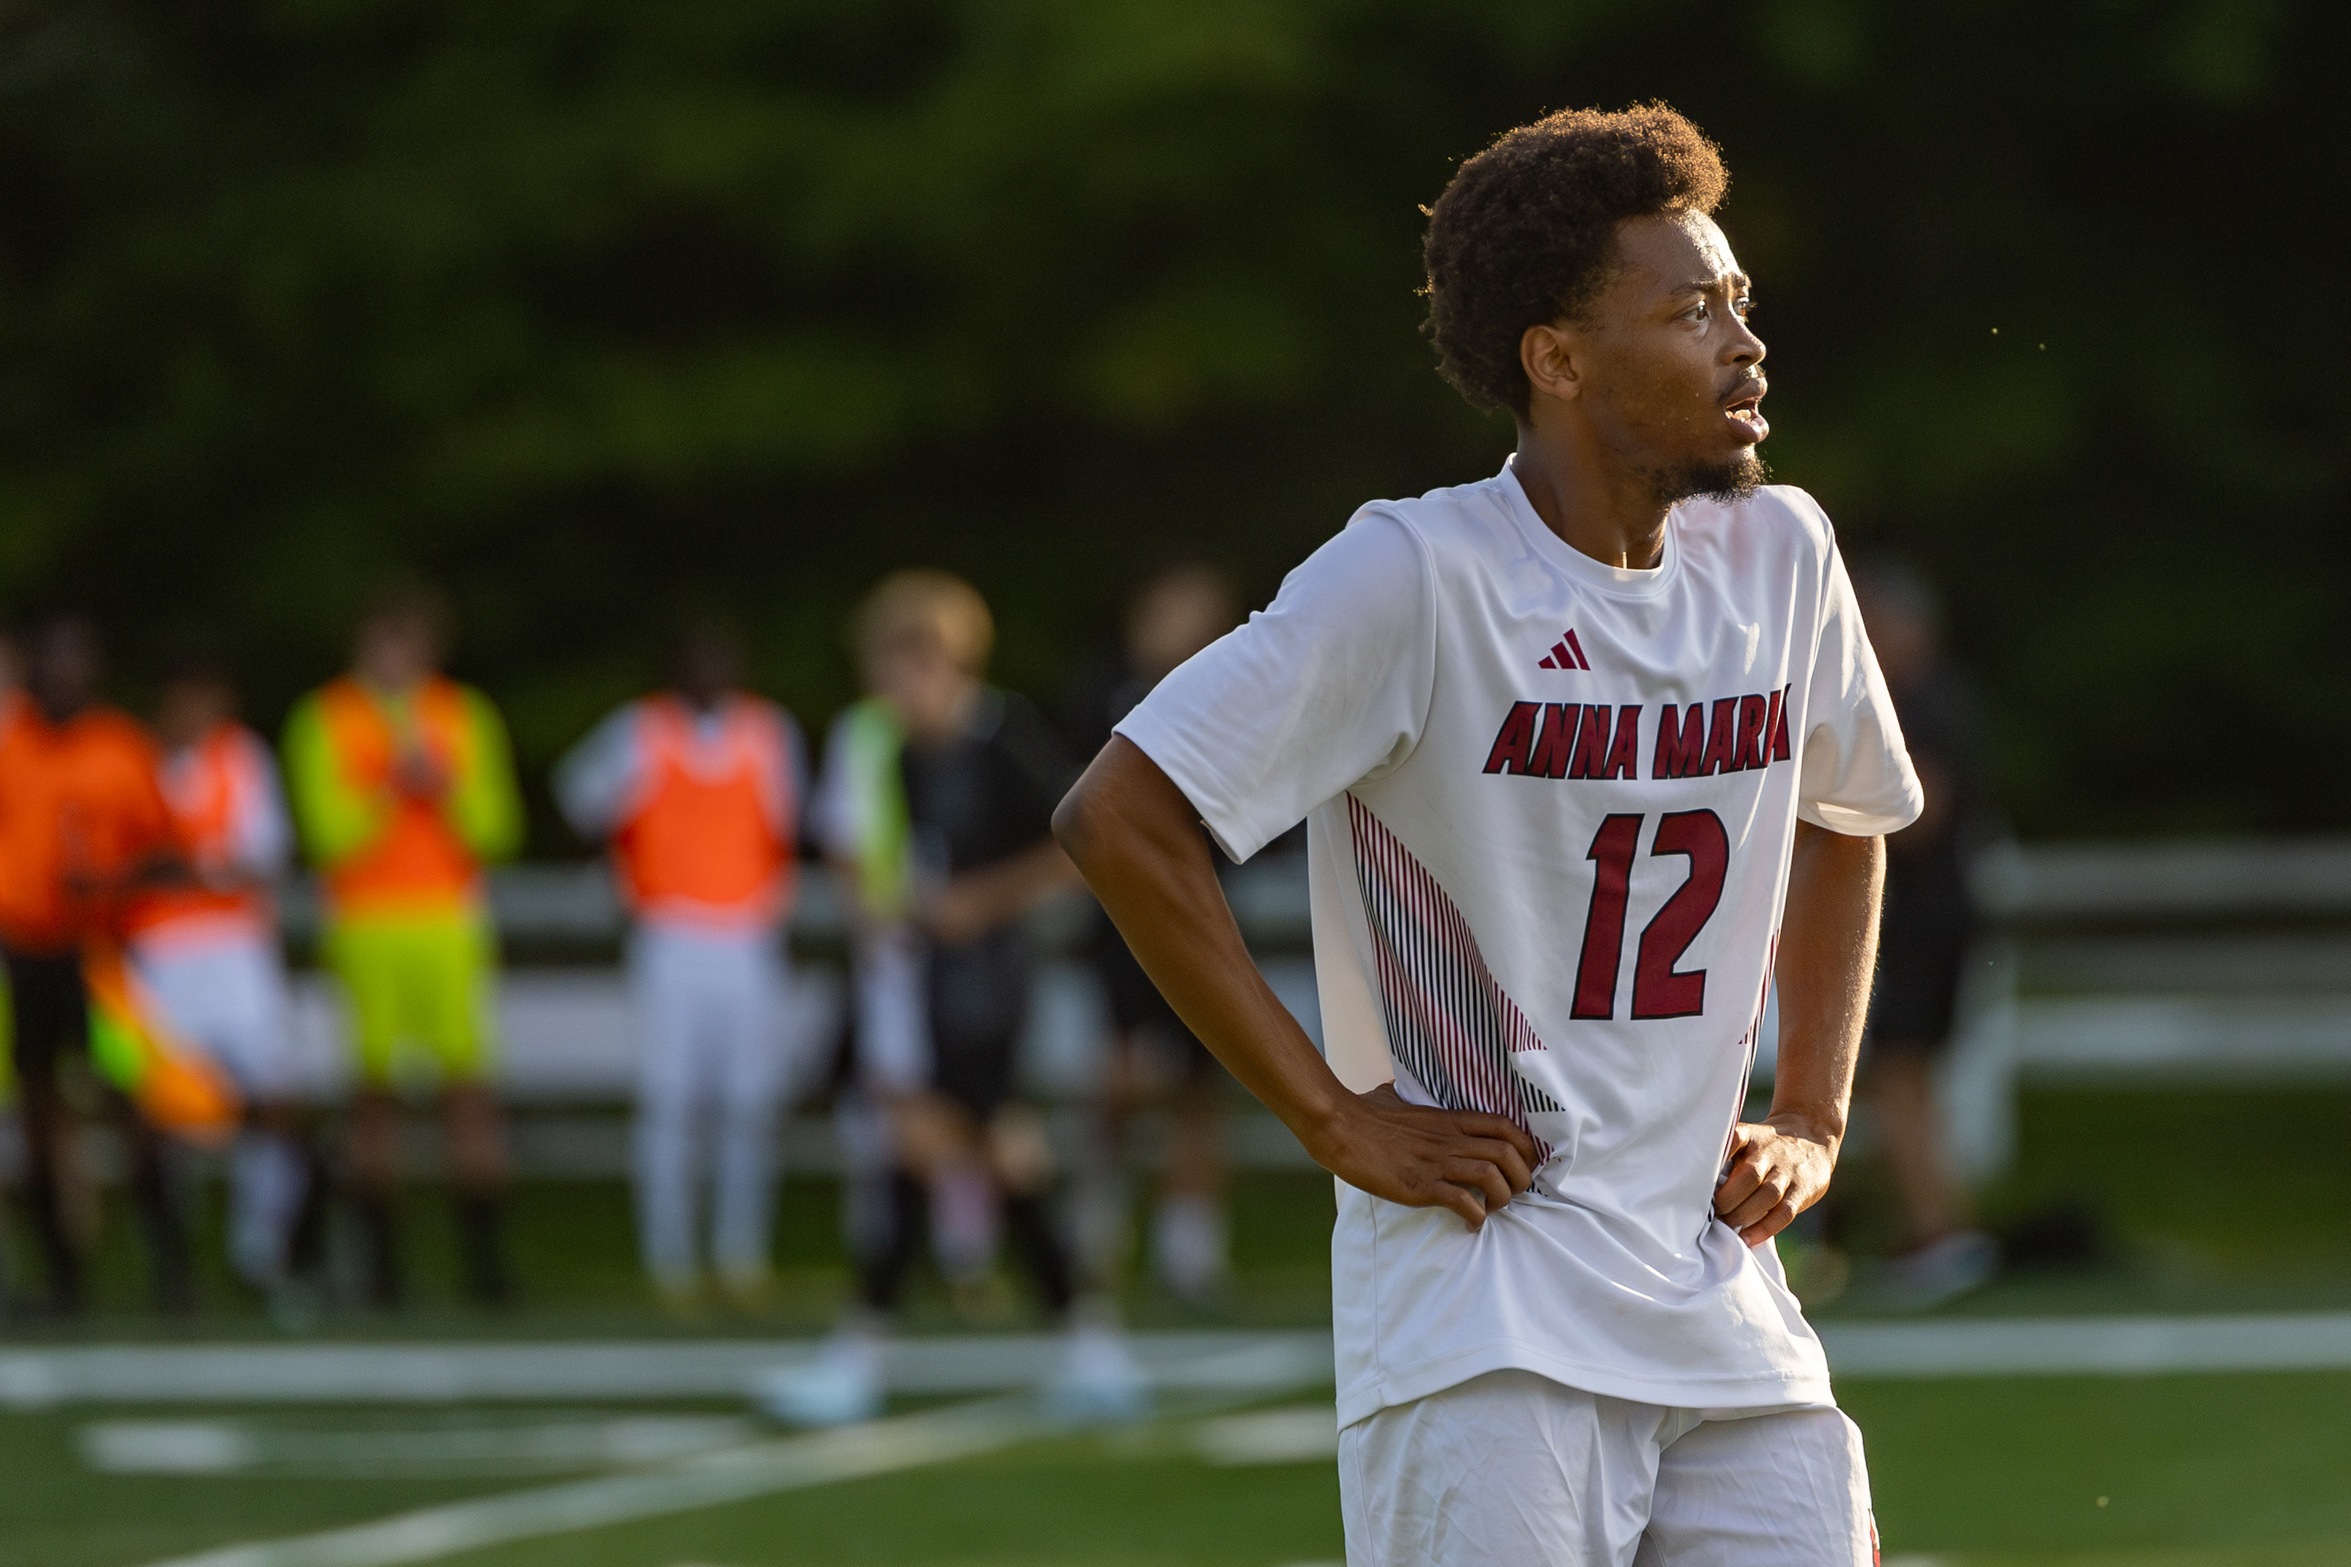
column 1745, row 409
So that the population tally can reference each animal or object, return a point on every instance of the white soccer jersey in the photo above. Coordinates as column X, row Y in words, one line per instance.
column 1551, row 804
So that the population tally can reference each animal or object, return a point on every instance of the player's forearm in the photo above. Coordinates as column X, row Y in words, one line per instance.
column 1828, row 949
column 1137, row 841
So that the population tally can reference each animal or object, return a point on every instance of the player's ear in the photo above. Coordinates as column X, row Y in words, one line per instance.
column 1547, row 355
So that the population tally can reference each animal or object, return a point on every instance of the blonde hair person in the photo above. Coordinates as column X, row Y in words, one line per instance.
column 919, row 605
column 935, row 809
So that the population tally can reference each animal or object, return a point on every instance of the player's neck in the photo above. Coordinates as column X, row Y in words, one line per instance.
column 1597, row 506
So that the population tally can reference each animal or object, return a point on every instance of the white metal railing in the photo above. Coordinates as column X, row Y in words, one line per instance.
column 2186, row 961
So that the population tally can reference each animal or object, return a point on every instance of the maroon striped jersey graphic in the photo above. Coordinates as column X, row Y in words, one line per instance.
column 1449, row 1023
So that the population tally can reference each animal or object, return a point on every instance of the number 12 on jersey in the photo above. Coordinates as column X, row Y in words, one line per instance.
column 1659, row 989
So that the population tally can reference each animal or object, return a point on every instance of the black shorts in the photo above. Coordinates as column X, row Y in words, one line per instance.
column 49, row 1011
column 1139, row 1012
column 981, row 1075
column 1922, row 955
column 979, row 1007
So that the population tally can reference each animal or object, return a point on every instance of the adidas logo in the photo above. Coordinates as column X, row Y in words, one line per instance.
column 1566, row 653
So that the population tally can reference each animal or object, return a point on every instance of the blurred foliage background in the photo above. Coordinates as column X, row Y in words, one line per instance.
column 603, row 313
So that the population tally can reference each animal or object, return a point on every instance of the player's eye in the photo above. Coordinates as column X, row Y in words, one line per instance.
column 1745, row 306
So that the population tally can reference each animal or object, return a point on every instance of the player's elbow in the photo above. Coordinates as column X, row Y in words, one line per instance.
column 1125, row 816
column 1080, row 821
column 1107, row 811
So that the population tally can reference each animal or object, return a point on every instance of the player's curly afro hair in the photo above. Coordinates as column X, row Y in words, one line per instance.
column 1526, row 232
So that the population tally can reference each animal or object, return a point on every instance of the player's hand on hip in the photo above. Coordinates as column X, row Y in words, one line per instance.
column 1427, row 1158
column 1774, row 1173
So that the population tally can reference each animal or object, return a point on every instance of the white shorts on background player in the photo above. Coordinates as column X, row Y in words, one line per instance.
column 224, row 991
column 1514, row 1470
column 1514, row 912
column 892, row 1020
column 712, row 1068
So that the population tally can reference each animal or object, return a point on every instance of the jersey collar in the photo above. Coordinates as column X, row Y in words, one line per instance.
column 1617, row 581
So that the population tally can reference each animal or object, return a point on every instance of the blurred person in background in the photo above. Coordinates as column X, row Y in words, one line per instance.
column 980, row 771
column 698, row 790
column 207, row 949
column 1154, row 1058
column 82, row 824
column 861, row 824
column 404, row 790
column 1928, row 927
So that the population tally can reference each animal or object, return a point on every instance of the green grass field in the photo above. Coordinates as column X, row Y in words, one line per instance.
column 2204, row 1470
column 2176, row 1471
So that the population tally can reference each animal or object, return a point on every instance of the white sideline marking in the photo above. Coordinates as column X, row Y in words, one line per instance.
column 2090, row 1346
column 1299, row 1434
column 708, row 1480
column 484, row 1373
column 479, row 1373
column 471, row 1449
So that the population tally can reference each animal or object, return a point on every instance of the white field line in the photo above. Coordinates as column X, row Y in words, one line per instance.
column 1297, row 1433
column 471, row 1450
column 1226, row 1372
column 610, row 1372
column 478, row 1373
column 709, row 1480
column 2090, row 1346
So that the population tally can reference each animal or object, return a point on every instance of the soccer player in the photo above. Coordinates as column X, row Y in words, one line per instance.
column 978, row 772
column 698, row 790
column 1590, row 751
column 82, row 825
column 404, row 789
column 207, row 949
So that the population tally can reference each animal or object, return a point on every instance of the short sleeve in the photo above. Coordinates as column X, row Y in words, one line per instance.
column 1324, row 687
column 1854, row 774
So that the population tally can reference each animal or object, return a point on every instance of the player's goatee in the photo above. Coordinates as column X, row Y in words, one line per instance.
column 1728, row 482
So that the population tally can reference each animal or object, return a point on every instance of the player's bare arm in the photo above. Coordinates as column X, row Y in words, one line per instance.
column 1138, row 843
column 1781, row 1165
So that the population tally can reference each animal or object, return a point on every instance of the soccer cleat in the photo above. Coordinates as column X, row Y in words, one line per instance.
column 840, row 1386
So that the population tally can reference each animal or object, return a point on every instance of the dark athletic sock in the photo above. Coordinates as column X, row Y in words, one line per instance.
column 481, row 1249
column 889, row 1238
column 64, row 1264
column 1037, row 1240
column 379, row 1240
column 306, row 1241
column 171, row 1275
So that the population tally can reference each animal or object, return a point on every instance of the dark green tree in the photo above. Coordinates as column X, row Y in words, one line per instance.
column 599, row 313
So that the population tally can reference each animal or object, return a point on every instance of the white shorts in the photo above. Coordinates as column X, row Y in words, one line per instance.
column 1514, row 1470
column 893, row 1012
column 226, row 995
